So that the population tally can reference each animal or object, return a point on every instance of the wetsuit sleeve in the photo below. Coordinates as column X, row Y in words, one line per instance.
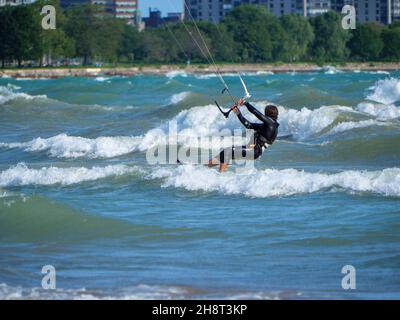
column 258, row 114
column 247, row 123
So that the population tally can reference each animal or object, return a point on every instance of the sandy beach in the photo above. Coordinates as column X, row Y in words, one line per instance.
column 163, row 69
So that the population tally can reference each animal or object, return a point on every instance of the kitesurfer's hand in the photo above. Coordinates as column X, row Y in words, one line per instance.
column 240, row 102
column 236, row 110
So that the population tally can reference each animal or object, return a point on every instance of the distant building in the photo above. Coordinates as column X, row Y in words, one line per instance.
column 156, row 20
column 68, row 3
column 121, row 9
column 15, row 2
column 384, row 11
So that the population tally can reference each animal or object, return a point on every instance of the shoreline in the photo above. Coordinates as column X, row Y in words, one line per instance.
column 60, row 72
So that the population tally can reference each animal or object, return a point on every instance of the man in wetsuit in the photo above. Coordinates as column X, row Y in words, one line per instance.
column 264, row 135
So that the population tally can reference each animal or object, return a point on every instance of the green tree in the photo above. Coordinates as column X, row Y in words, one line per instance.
column 55, row 43
column 154, row 47
column 25, row 35
column 300, row 35
column 279, row 38
column 330, row 38
column 7, row 26
column 391, row 40
column 81, row 27
column 131, row 45
column 108, row 38
column 190, row 41
column 366, row 43
column 220, row 41
column 172, row 48
column 249, row 25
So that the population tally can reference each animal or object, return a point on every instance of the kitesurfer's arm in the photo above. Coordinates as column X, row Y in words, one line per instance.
column 244, row 121
column 258, row 114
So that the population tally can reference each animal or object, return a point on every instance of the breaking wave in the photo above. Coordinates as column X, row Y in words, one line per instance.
column 248, row 182
column 173, row 74
column 386, row 91
column 179, row 97
column 7, row 94
column 102, row 79
column 350, row 125
column 142, row 292
column 204, row 127
column 64, row 146
column 21, row 174
column 380, row 111
column 331, row 70
column 272, row 182
column 206, row 76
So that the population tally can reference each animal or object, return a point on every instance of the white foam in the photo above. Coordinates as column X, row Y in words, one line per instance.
column 178, row 97
column 200, row 127
column 64, row 146
column 379, row 72
column 31, row 79
column 13, row 86
column 351, row 125
column 271, row 182
column 21, row 174
column 177, row 73
column 231, row 74
column 373, row 72
column 304, row 123
column 380, row 111
column 331, row 70
column 206, row 76
column 264, row 73
column 7, row 94
column 139, row 292
column 207, row 121
column 3, row 194
column 386, row 91
column 101, row 79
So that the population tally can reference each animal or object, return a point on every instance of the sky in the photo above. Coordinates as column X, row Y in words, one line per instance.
column 164, row 5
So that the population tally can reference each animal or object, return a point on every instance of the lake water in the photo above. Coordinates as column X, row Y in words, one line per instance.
column 77, row 193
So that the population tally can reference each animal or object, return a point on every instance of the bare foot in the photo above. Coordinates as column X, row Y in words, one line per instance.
column 213, row 162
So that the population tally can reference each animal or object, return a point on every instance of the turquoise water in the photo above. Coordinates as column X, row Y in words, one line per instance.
column 76, row 191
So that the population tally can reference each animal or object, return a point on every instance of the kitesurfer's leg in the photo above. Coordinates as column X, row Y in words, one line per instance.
column 223, row 166
column 225, row 157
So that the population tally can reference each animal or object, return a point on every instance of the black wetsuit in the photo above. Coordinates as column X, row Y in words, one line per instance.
column 265, row 134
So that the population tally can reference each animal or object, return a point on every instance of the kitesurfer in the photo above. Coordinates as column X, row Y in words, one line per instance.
column 264, row 135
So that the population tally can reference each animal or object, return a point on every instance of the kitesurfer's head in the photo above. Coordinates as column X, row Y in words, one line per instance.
column 271, row 111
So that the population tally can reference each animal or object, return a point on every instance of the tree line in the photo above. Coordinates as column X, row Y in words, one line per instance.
column 248, row 34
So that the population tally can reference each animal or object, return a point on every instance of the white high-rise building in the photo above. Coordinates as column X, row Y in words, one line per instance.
column 384, row 11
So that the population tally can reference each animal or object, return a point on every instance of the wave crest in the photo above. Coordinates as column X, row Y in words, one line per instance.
column 21, row 174
column 272, row 182
column 64, row 146
column 386, row 91
column 8, row 94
